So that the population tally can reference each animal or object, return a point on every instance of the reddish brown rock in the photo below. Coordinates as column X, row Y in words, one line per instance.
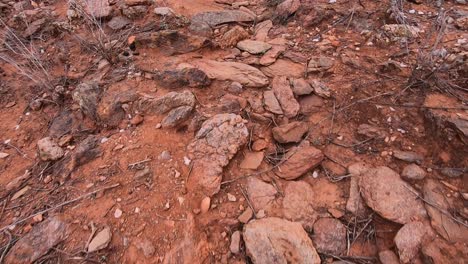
column 292, row 132
column 271, row 55
column 310, row 104
column 271, row 103
column 408, row 240
column 260, row 193
column 252, row 160
column 233, row 36
column 287, row 8
column 298, row 204
column 285, row 96
column 301, row 87
column 299, row 160
column 388, row 257
column 329, row 236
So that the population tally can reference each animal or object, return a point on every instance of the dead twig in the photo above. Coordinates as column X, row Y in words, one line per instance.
column 135, row 164
column 93, row 231
column 244, row 193
column 10, row 239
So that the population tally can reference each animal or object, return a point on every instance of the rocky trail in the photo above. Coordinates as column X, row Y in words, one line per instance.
column 230, row 131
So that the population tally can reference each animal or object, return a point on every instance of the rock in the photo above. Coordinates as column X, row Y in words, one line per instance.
column 191, row 77
column 233, row 71
column 110, row 110
column 233, row 36
column 442, row 224
column 392, row 198
column 320, row 64
column 271, row 103
column 388, row 257
column 87, row 96
column 163, row 11
column 408, row 241
column 440, row 251
column 167, row 102
column 20, row 193
column 397, row 31
column 260, row 193
column 292, row 132
column 118, row 213
column 355, row 203
column 4, row 155
column 253, row 46
column 137, row 2
column 453, row 172
column 205, row 205
column 283, row 67
column 370, row 131
column 136, row 120
column 252, row 160
column 271, row 55
column 98, row 8
column 413, row 172
column 141, row 174
column 135, row 12
column 262, row 29
column 118, row 22
column 214, row 145
column 165, row 155
column 273, row 240
column 34, row 27
column 215, row 18
column 38, row 241
column 408, row 156
column 245, row 216
column 298, row 204
column 176, row 116
column 172, row 42
column 310, row 104
column 235, row 242
column 146, row 246
column 231, row 197
column 101, row 240
column 321, row 89
column 299, row 160
column 301, row 87
column 235, row 88
column 285, row 96
column 49, row 149
column 330, row 236
column 286, row 9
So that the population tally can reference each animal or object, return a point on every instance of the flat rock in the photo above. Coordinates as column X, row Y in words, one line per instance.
column 274, row 240
column 283, row 92
column 98, row 8
column 110, row 109
column 298, row 204
column 271, row 103
column 245, row 216
column 214, row 18
column 262, row 29
column 310, row 104
column 441, row 251
column 320, row 89
column 301, row 87
column 49, row 149
column 320, row 64
column 233, row 36
column 442, row 224
column 413, row 172
column 172, row 42
column 179, row 78
column 370, row 131
column 271, row 55
column 234, row 247
column 253, row 46
column 286, row 9
column 233, row 71
column 101, row 240
column 167, row 102
column 176, row 116
column 330, row 236
column 299, row 160
column 214, row 145
column 252, row 160
column 408, row 156
column 38, row 241
column 386, row 193
column 408, row 240
column 292, row 132
column 283, row 67
column 118, row 22
column 260, row 193
column 388, row 257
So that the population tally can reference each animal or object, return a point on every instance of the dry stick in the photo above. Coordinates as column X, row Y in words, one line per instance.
column 10, row 238
column 248, row 201
column 93, row 231
column 60, row 205
column 131, row 165
column 437, row 207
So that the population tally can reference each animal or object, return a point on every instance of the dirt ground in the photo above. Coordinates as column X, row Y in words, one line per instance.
column 387, row 90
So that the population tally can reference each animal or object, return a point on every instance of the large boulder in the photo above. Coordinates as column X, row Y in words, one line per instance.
column 386, row 193
column 214, row 145
column 274, row 240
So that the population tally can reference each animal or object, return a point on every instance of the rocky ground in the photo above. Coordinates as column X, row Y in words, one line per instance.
column 227, row 131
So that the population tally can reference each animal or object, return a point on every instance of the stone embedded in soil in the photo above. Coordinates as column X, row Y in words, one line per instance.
column 271, row 55
column 274, row 240
column 292, row 132
column 283, row 67
column 399, row 30
column 271, row 103
column 118, row 22
column 388, row 257
column 262, row 29
column 49, row 149
column 329, row 236
column 253, row 46
column 4, row 155
column 299, row 160
column 167, row 102
column 283, row 92
column 252, row 160
column 245, row 216
column 38, row 241
column 355, row 203
column 442, row 223
column 370, row 131
column 233, row 71
column 176, row 116
column 408, row 156
column 163, row 11
column 171, row 42
column 260, row 193
column 321, row 89
column 191, row 77
column 87, row 96
column 408, row 240
column 110, row 109
column 214, row 18
column 301, row 87
column 310, row 104
column 214, row 145
column 234, row 247
column 98, row 8
column 386, row 193
column 298, row 204
column 233, row 36
column 101, row 240
column 205, row 204
column 413, row 172
column 320, row 64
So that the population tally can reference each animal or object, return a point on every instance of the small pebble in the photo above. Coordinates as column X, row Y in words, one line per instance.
column 118, row 213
